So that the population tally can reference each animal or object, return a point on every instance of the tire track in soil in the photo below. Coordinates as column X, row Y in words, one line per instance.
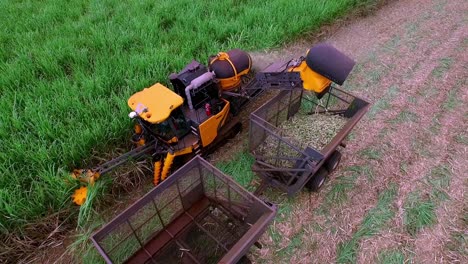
column 446, row 213
column 400, row 75
column 364, row 194
column 400, row 102
column 428, row 245
column 423, row 246
column 430, row 242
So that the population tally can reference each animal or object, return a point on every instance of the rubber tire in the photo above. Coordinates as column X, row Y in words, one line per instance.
column 332, row 163
column 317, row 180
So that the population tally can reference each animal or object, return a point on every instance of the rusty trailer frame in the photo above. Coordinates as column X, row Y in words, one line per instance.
column 291, row 171
column 197, row 215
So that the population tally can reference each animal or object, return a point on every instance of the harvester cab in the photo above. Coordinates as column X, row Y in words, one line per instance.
column 158, row 115
column 183, row 122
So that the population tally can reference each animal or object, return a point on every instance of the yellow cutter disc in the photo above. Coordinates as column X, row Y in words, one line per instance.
column 79, row 196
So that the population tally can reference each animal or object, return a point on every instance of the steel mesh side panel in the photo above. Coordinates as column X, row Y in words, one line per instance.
column 168, row 204
column 256, row 134
column 189, row 180
column 209, row 233
column 215, row 188
column 210, row 183
column 216, row 231
column 236, row 200
column 277, row 112
column 140, row 227
column 126, row 238
column 339, row 100
column 334, row 100
column 274, row 149
column 295, row 102
column 190, row 187
column 121, row 243
column 146, row 223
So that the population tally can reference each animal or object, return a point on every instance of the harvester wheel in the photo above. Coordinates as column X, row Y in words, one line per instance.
column 317, row 180
column 333, row 161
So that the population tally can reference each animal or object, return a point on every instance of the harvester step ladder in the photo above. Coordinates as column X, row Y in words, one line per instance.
column 197, row 149
column 194, row 130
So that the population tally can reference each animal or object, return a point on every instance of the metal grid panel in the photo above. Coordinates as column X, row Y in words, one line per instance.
column 197, row 202
column 279, row 158
column 121, row 244
column 334, row 101
column 270, row 144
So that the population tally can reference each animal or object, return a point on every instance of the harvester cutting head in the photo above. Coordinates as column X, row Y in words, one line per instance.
column 79, row 196
column 85, row 177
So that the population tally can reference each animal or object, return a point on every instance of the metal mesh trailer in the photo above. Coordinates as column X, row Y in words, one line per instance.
column 287, row 164
column 197, row 215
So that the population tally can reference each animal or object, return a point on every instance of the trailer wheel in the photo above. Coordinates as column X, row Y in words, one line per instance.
column 317, row 180
column 333, row 161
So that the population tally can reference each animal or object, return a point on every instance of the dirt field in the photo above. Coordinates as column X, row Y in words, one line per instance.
column 399, row 193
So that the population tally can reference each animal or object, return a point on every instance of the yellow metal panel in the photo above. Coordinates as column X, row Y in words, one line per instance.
column 209, row 128
column 312, row 81
column 167, row 165
column 158, row 100
column 184, row 151
column 157, row 172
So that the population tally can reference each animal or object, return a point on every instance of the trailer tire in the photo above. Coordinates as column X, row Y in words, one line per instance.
column 317, row 180
column 333, row 162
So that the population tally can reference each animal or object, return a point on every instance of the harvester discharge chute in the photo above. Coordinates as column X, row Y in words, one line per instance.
column 322, row 65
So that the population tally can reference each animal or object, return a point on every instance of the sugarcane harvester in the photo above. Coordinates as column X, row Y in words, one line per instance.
column 199, row 113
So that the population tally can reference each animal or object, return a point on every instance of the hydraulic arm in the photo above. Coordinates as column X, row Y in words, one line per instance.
column 91, row 175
